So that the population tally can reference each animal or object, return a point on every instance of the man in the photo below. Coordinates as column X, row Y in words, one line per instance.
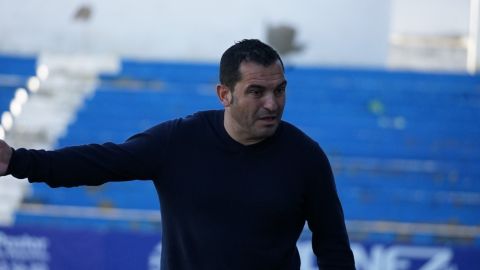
column 236, row 186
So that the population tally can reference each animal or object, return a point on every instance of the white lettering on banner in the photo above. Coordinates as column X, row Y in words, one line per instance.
column 401, row 258
column 23, row 252
column 154, row 258
column 379, row 257
column 307, row 258
column 365, row 262
column 21, row 266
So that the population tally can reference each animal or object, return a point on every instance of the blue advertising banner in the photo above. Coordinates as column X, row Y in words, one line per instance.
column 38, row 249
column 44, row 249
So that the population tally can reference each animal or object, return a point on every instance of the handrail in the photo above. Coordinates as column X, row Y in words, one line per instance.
column 409, row 228
column 90, row 212
column 353, row 226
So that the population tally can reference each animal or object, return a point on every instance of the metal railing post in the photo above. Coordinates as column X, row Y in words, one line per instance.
column 473, row 44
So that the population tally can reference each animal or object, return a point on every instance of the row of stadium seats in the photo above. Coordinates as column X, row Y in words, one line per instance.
column 17, row 65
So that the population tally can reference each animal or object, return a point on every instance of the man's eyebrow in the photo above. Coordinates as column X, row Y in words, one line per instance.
column 283, row 84
column 258, row 86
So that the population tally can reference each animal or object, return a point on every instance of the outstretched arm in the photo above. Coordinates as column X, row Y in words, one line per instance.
column 140, row 157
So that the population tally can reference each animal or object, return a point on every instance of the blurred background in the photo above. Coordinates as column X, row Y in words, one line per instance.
column 389, row 88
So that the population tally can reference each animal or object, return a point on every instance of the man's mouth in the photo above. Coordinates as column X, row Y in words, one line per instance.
column 268, row 118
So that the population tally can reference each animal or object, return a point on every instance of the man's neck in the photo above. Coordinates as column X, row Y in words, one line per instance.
column 236, row 132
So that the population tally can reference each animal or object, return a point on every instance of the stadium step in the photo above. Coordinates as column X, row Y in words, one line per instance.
column 47, row 113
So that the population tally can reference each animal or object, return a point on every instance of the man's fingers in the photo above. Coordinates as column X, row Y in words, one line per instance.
column 5, row 156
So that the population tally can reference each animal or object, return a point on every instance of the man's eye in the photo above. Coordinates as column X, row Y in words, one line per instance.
column 280, row 91
column 255, row 92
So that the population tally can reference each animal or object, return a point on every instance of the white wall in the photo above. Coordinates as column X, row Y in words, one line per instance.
column 340, row 32
column 430, row 17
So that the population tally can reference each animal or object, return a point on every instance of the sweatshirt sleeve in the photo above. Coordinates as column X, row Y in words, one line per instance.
column 139, row 158
column 325, row 218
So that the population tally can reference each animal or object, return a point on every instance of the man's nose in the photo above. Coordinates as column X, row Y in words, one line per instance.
column 270, row 102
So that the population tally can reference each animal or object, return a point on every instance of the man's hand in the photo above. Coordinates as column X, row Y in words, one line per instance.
column 5, row 156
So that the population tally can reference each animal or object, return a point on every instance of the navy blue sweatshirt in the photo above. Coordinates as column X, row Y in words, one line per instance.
column 224, row 205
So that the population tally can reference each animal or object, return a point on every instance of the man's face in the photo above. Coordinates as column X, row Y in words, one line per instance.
column 257, row 101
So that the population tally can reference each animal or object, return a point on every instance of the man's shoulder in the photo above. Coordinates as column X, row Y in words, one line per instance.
column 196, row 123
column 189, row 124
column 196, row 118
column 200, row 120
column 308, row 149
column 296, row 135
column 209, row 115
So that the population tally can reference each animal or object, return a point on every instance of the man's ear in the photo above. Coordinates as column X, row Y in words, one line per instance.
column 224, row 94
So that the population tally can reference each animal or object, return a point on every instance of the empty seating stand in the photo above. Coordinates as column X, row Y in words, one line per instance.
column 403, row 145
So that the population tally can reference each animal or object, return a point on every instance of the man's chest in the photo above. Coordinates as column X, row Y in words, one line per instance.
column 234, row 186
